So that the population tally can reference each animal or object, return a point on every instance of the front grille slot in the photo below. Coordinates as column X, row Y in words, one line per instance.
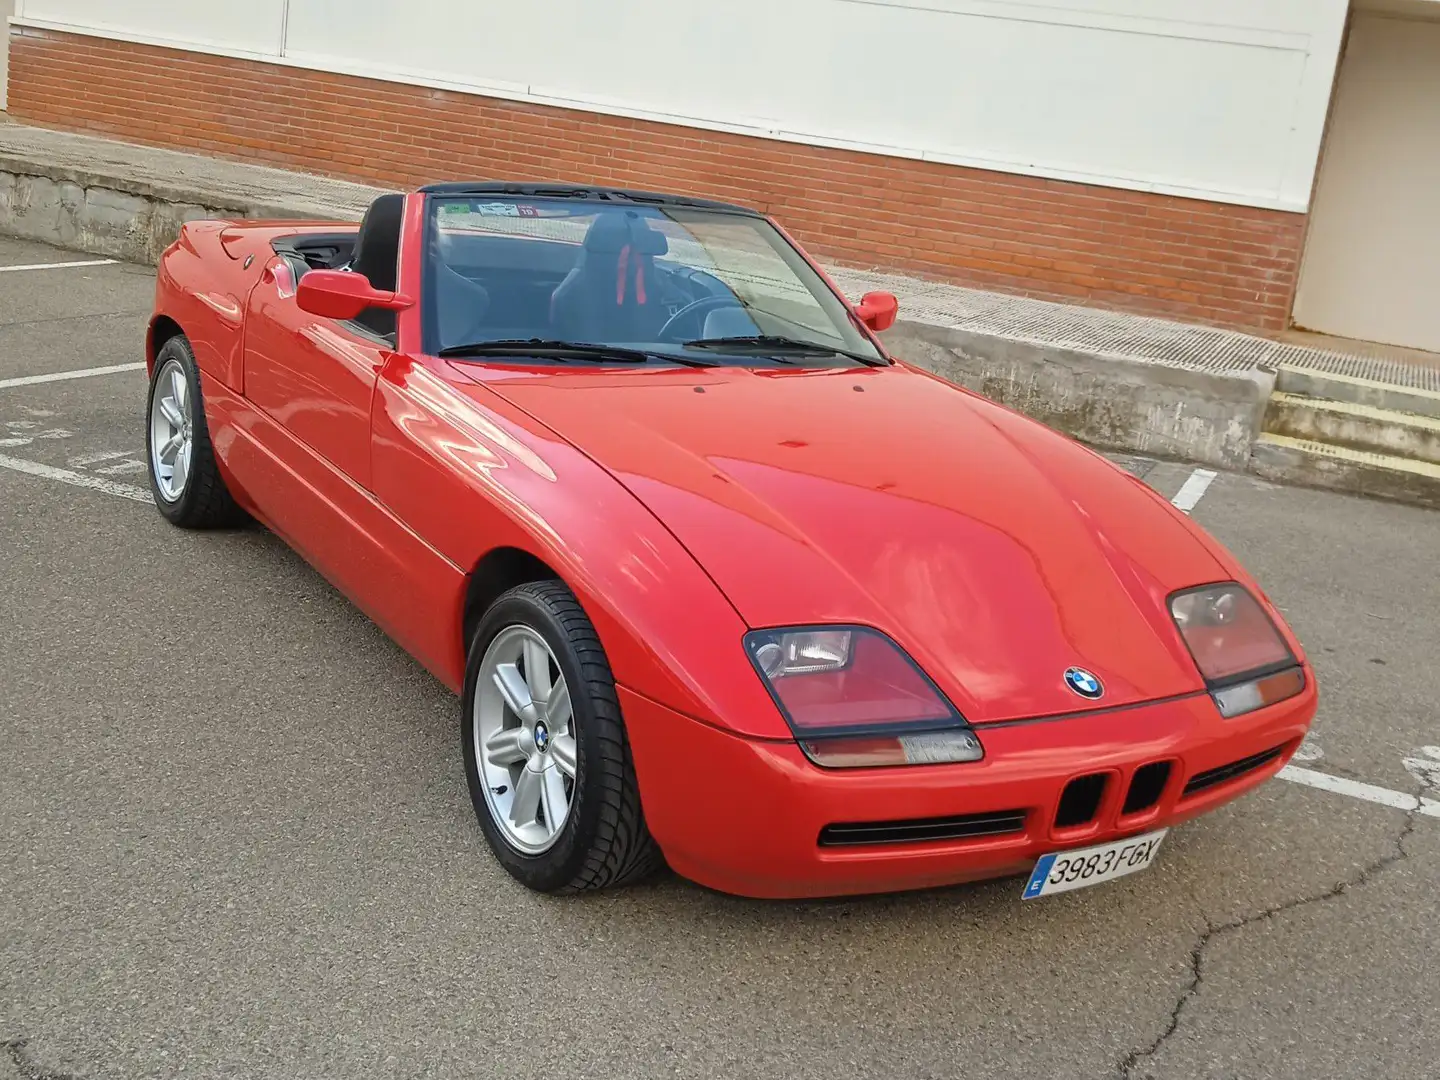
column 922, row 830
column 1146, row 787
column 1080, row 800
column 1212, row 777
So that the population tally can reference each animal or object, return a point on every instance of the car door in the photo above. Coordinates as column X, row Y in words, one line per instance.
column 306, row 446
column 313, row 376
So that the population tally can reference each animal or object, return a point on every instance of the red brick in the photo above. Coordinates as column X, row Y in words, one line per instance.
column 1055, row 239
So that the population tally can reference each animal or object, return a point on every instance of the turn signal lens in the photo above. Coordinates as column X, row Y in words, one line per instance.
column 924, row 748
column 1249, row 696
column 854, row 699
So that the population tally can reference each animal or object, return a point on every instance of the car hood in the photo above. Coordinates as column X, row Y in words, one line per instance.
column 996, row 552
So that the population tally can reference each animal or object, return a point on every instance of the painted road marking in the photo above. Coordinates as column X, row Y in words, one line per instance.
column 1397, row 800
column 61, row 376
column 130, row 465
column 25, row 440
column 95, row 459
column 57, row 266
column 66, row 476
column 1425, row 766
column 1193, row 490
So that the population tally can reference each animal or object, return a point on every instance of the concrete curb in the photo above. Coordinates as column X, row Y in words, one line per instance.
column 1116, row 403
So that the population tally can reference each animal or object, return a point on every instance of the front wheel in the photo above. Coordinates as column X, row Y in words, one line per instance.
column 184, row 478
column 546, row 755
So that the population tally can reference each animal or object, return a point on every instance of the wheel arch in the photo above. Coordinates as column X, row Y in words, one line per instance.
column 162, row 328
column 495, row 573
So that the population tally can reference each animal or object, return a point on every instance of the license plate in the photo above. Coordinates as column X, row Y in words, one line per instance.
column 1061, row 871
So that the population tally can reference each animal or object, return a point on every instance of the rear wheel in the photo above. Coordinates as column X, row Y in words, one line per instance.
column 184, row 477
column 546, row 755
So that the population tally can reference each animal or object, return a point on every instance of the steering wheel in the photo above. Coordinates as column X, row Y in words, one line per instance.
column 705, row 304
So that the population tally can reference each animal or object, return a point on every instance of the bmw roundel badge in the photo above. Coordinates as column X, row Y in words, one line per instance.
column 1083, row 683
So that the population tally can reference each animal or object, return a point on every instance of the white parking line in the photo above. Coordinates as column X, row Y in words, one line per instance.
column 62, row 376
column 1193, row 490
column 1396, row 800
column 94, row 459
column 65, row 476
column 57, row 266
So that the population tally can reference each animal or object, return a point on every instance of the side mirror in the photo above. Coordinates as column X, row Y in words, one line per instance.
column 877, row 310
column 339, row 294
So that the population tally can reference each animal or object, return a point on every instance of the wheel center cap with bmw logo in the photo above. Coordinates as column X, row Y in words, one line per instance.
column 542, row 738
column 1084, row 683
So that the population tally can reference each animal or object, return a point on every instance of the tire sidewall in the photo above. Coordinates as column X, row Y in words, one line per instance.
column 556, row 867
column 178, row 351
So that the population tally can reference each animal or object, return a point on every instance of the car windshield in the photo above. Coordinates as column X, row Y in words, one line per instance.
column 697, row 285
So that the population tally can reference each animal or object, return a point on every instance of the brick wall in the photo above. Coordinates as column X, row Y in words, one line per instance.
column 1204, row 261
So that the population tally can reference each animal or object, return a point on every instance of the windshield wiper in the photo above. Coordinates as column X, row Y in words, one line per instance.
column 581, row 349
column 565, row 350
column 775, row 343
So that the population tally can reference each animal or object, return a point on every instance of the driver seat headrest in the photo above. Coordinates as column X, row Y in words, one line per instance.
column 611, row 233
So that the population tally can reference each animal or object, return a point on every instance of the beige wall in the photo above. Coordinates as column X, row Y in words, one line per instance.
column 1371, row 268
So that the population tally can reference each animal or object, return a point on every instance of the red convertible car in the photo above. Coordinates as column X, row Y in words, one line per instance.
column 719, row 582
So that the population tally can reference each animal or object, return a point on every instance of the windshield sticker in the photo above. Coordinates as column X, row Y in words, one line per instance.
column 494, row 209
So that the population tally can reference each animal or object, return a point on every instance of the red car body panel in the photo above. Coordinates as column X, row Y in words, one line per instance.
column 685, row 507
column 749, row 822
column 892, row 499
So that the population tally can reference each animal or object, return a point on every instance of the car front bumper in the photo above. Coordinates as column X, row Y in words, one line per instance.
column 746, row 817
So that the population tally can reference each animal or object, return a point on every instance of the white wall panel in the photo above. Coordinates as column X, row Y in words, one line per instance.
column 1222, row 99
column 1372, row 257
column 252, row 27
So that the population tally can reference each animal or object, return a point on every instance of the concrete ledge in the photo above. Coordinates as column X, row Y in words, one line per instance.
column 1329, row 386
column 115, row 216
column 1410, row 436
column 1115, row 403
column 1355, row 472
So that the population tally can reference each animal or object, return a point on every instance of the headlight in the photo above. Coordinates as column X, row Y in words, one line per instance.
column 853, row 698
column 1238, row 649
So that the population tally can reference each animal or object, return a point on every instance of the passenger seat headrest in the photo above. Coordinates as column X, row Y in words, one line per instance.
column 377, row 245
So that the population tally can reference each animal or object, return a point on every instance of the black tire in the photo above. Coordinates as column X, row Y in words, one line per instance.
column 205, row 502
column 604, row 842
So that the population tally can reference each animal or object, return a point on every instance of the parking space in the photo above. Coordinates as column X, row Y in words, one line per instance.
column 72, row 315
column 235, row 837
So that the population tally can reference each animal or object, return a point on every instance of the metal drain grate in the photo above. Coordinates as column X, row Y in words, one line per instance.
column 1134, row 337
column 1414, row 376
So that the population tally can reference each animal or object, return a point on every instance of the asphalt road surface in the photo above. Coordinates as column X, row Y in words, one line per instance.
column 235, row 839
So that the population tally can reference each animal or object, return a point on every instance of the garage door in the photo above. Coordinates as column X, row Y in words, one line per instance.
column 1372, row 258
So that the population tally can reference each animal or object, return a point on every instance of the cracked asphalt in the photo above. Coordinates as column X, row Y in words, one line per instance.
column 235, row 839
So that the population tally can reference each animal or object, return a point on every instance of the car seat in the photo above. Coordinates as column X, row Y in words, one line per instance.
column 609, row 294
column 377, row 257
column 461, row 302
